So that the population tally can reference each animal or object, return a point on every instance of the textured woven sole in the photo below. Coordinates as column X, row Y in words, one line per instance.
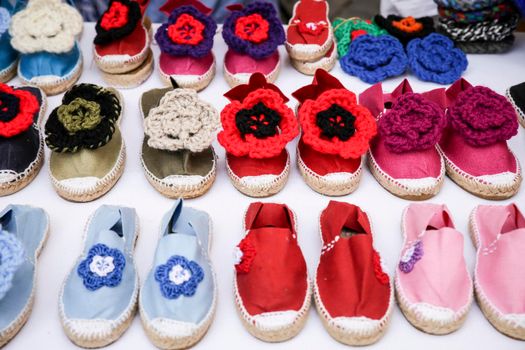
column 199, row 83
column 19, row 322
column 238, row 79
column 62, row 84
column 309, row 68
column 315, row 54
column 133, row 78
column 519, row 112
column 8, row 73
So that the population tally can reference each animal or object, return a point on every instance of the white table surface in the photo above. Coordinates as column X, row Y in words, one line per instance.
column 226, row 207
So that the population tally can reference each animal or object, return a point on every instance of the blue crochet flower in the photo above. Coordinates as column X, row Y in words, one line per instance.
column 434, row 58
column 11, row 257
column 103, row 266
column 179, row 276
column 374, row 58
column 5, row 19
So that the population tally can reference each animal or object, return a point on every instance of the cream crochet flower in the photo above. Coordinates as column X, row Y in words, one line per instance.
column 181, row 121
column 45, row 25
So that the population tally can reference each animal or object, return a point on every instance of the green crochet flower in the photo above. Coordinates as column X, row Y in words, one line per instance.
column 343, row 29
column 79, row 115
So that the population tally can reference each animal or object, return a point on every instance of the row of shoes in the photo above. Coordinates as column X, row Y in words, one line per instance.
column 352, row 291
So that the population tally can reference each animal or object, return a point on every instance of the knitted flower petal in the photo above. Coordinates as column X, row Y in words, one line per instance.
column 344, row 30
column 118, row 21
column 17, row 110
column 11, row 257
column 5, row 19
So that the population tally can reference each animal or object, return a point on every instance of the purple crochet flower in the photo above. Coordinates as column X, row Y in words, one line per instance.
column 434, row 58
column 188, row 32
column 413, row 124
column 374, row 58
column 483, row 117
column 254, row 30
column 412, row 255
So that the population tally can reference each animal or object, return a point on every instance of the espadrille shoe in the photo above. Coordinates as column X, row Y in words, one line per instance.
column 403, row 157
column 122, row 44
column 98, row 299
column 186, row 42
column 177, row 155
column 21, row 143
column 335, row 135
column 474, row 144
column 498, row 232
column 257, row 125
column 8, row 55
column 353, row 294
column 326, row 63
column 433, row 286
column 253, row 35
column 23, row 232
column 309, row 34
column 516, row 96
column 179, row 296
column 271, row 286
column 45, row 34
column 88, row 150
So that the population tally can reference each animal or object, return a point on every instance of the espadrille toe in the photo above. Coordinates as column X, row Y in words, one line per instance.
column 516, row 96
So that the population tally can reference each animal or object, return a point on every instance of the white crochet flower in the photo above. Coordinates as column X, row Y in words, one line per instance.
column 181, row 121
column 5, row 18
column 45, row 25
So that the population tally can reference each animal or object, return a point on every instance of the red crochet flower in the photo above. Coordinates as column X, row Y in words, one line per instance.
column 357, row 33
column 312, row 28
column 252, row 28
column 258, row 127
column 187, row 30
column 115, row 17
column 334, row 123
column 17, row 110
column 382, row 277
column 245, row 254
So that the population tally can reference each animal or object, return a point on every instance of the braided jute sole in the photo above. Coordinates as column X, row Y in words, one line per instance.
column 326, row 187
column 489, row 310
column 61, row 84
column 309, row 68
column 402, row 192
column 9, row 72
column 482, row 190
column 519, row 112
column 238, row 79
column 15, row 326
column 198, row 83
column 133, row 78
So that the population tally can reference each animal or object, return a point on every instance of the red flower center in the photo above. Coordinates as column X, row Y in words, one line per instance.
column 115, row 17
column 252, row 28
column 187, row 30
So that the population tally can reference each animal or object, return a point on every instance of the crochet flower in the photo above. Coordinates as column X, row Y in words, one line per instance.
column 405, row 28
column 334, row 123
column 86, row 119
column 45, row 26
column 435, row 59
column 483, row 117
column 258, row 127
column 381, row 276
column 119, row 20
column 5, row 19
column 244, row 255
column 375, row 58
column 181, row 121
column 346, row 30
column 17, row 110
column 178, row 276
column 414, row 123
column 254, row 30
column 187, row 32
column 412, row 254
column 11, row 257
column 103, row 266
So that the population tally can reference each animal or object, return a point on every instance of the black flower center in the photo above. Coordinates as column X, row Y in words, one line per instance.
column 9, row 107
column 336, row 121
column 259, row 120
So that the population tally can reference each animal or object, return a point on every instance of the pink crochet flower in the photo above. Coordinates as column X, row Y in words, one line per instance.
column 483, row 117
column 413, row 124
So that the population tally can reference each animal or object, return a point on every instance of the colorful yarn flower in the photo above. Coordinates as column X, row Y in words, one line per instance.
column 244, row 255
column 257, row 124
column 405, row 29
column 102, row 267
column 181, row 121
column 412, row 255
column 86, row 119
column 483, row 117
column 187, row 32
column 334, row 123
column 434, row 58
column 119, row 20
column 5, row 19
column 375, row 58
column 254, row 30
column 346, row 30
column 11, row 257
column 17, row 110
column 179, row 276
column 413, row 123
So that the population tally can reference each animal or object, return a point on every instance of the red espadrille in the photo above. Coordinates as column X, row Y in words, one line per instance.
column 336, row 132
column 353, row 294
column 272, row 289
column 257, row 125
